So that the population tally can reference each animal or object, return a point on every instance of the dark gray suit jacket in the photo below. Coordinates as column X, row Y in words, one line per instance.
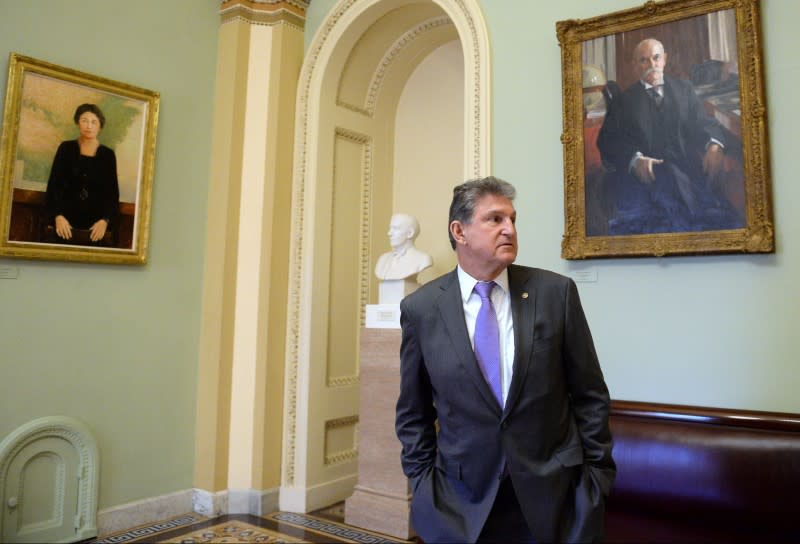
column 552, row 436
column 631, row 125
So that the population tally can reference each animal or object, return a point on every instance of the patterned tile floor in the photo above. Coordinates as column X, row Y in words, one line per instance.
column 322, row 526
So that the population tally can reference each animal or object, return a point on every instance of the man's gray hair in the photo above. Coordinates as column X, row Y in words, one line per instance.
column 641, row 44
column 467, row 195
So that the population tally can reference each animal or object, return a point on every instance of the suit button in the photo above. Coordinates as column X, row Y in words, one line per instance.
column 504, row 425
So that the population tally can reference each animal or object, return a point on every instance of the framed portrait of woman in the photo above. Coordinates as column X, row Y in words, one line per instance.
column 665, row 131
column 76, row 165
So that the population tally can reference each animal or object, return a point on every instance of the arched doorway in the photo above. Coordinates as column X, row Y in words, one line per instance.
column 375, row 73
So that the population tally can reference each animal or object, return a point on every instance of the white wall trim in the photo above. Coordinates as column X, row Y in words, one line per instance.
column 302, row 500
column 257, row 502
column 150, row 510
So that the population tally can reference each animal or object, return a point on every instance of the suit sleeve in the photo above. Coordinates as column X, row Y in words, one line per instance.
column 705, row 126
column 415, row 414
column 588, row 392
column 616, row 142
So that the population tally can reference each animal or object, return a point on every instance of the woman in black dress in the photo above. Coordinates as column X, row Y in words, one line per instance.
column 83, row 190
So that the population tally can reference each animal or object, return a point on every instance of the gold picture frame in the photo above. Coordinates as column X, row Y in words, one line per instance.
column 715, row 45
column 40, row 116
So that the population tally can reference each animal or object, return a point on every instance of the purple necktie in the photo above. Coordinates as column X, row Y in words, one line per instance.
column 487, row 339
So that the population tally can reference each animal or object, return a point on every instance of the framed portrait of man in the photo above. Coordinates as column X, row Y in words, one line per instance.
column 77, row 165
column 665, row 133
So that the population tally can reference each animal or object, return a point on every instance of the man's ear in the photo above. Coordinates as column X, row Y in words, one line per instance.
column 457, row 230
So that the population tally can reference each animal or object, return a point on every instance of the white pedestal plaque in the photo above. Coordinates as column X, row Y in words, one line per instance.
column 383, row 316
column 386, row 315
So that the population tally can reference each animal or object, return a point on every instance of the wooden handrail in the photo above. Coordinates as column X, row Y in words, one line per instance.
column 778, row 421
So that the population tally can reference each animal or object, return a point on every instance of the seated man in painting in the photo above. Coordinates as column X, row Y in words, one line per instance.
column 666, row 152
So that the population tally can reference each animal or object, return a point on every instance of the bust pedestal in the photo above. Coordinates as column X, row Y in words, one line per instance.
column 381, row 499
column 386, row 315
column 393, row 291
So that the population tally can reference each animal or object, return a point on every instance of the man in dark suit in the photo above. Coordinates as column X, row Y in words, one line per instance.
column 514, row 446
column 667, row 153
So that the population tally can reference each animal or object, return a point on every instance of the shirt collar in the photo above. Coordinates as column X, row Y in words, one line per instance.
column 467, row 282
column 648, row 86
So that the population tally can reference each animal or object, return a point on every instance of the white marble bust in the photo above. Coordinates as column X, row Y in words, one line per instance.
column 404, row 261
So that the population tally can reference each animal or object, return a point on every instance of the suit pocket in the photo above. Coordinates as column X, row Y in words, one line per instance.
column 425, row 474
column 570, row 457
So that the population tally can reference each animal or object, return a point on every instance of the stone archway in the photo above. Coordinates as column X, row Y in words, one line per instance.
column 349, row 88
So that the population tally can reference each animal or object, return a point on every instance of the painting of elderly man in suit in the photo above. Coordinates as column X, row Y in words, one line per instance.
column 666, row 138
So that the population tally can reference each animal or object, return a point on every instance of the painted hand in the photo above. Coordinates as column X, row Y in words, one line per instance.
column 63, row 228
column 712, row 161
column 643, row 169
column 98, row 230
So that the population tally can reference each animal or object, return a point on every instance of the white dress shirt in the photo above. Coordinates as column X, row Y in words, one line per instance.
column 501, row 300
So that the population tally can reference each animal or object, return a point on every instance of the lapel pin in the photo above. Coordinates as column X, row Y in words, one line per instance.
column 524, row 295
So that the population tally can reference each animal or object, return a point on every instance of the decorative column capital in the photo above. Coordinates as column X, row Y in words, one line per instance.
column 265, row 12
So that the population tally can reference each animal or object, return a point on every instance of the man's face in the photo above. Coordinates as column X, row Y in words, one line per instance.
column 491, row 238
column 649, row 61
column 399, row 231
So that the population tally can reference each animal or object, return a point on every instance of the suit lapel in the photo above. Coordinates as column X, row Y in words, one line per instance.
column 451, row 310
column 523, row 310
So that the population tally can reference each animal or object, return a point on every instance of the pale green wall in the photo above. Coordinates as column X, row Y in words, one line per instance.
column 713, row 330
column 116, row 346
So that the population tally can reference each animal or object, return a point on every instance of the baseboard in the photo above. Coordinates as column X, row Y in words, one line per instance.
column 125, row 516
column 210, row 503
column 303, row 500
column 257, row 502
